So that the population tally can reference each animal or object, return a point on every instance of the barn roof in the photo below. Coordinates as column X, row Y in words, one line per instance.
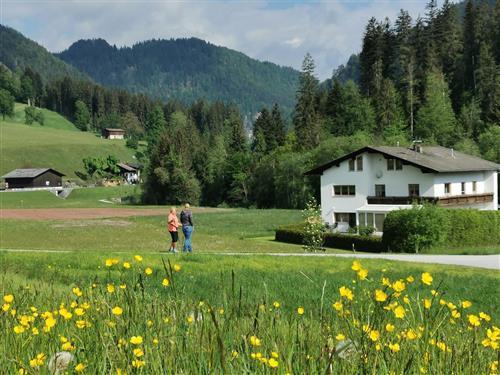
column 126, row 167
column 114, row 130
column 435, row 159
column 29, row 172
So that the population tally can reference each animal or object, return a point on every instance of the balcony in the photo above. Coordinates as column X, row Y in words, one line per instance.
column 399, row 200
column 452, row 200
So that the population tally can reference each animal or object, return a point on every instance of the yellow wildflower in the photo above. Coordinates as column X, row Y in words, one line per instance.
column 126, row 265
column 340, row 337
column 380, row 295
column 77, row 292
column 111, row 262
column 5, row 307
column 19, row 329
column 79, row 311
column 235, row 354
column 8, row 298
column 255, row 341
column 148, row 271
column 165, row 282
column 362, row 274
column 374, row 335
column 138, row 352
column 137, row 363
column 455, row 314
column 110, row 288
column 274, row 354
column 356, row 265
column 389, row 327
column 177, row 267
column 474, row 320
column 337, row 305
column 346, row 292
column 410, row 279
column 427, row 303
column 399, row 286
column 394, row 347
column 276, row 304
column 484, row 316
column 137, row 258
column 411, row 335
column 273, row 363
column 300, row 310
column 117, row 310
column 136, row 340
column 68, row 346
column 399, row 312
column 79, row 367
column 427, row 278
column 466, row 304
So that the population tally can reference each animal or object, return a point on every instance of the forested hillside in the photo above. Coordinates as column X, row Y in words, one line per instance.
column 435, row 78
column 186, row 70
column 18, row 52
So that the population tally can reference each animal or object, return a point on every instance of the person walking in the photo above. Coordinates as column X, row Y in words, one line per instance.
column 187, row 228
column 173, row 224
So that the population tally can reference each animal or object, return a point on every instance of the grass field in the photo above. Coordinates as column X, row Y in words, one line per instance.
column 56, row 145
column 79, row 198
column 237, row 314
column 52, row 119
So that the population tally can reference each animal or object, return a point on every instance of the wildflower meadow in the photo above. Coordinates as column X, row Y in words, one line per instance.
column 138, row 319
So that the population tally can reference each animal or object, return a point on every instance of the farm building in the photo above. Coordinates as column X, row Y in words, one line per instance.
column 130, row 172
column 114, row 133
column 33, row 178
column 361, row 188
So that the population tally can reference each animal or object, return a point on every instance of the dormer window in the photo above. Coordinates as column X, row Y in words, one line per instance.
column 352, row 165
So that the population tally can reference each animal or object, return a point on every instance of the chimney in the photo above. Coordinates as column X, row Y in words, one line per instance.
column 417, row 146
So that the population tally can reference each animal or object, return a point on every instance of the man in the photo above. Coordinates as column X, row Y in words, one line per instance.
column 187, row 228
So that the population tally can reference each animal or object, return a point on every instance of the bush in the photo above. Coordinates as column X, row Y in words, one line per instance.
column 295, row 234
column 430, row 226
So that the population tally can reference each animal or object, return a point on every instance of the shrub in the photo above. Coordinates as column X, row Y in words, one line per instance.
column 314, row 229
column 431, row 226
column 295, row 234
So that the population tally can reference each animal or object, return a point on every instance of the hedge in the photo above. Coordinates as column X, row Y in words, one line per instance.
column 422, row 228
column 294, row 234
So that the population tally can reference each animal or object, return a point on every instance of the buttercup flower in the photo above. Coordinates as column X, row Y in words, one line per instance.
column 117, row 310
column 300, row 310
column 427, row 278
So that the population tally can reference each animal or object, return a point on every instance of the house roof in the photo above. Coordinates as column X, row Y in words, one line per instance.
column 434, row 159
column 126, row 167
column 29, row 173
column 114, row 130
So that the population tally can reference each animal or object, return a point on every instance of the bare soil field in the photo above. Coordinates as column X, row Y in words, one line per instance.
column 89, row 213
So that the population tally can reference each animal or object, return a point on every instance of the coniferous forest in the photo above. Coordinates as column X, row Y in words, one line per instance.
column 435, row 78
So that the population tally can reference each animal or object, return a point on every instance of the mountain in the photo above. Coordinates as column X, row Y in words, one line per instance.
column 186, row 69
column 18, row 52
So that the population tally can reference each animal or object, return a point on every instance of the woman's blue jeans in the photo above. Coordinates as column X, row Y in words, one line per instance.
column 188, row 231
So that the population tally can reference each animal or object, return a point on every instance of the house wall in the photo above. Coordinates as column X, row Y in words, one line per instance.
column 115, row 136
column 50, row 177
column 19, row 183
column 374, row 172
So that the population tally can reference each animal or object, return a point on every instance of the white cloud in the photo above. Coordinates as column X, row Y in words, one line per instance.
column 330, row 30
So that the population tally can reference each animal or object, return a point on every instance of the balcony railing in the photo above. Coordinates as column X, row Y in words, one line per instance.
column 453, row 200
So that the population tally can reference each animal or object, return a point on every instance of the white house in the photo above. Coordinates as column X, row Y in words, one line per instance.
column 362, row 187
column 130, row 173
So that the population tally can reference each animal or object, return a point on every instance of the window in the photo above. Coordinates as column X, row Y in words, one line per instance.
column 344, row 190
column 474, row 186
column 359, row 163
column 447, row 188
column 413, row 190
column 356, row 164
column 369, row 220
column 380, row 190
column 463, row 188
column 394, row 164
column 379, row 222
column 362, row 219
column 351, row 165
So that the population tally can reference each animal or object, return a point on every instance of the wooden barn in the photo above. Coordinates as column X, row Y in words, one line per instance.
column 113, row 133
column 33, row 178
column 131, row 173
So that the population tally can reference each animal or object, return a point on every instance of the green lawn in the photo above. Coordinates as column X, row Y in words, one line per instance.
column 237, row 230
column 81, row 198
column 53, row 145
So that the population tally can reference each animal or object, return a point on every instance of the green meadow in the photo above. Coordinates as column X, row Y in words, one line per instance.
column 57, row 144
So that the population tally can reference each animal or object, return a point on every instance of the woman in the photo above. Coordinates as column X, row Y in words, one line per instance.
column 173, row 224
column 187, row 228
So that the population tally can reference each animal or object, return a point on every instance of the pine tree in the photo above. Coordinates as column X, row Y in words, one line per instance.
column 390, row 117
column 470, row 119
column 155, row 125
column 435, row 119
column 372, row 51
column 82, row 116
column 488, row 84
column 471, row 49
column 305, row 119
column 261, row 129
column 335, row 108
column 278, row 127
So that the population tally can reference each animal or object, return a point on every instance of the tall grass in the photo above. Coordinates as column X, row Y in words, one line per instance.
column 135, row 317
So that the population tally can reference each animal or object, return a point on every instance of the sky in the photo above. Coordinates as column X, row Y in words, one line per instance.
column 280, row 31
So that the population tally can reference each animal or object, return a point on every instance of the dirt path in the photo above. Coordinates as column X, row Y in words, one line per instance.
column 86, row 213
